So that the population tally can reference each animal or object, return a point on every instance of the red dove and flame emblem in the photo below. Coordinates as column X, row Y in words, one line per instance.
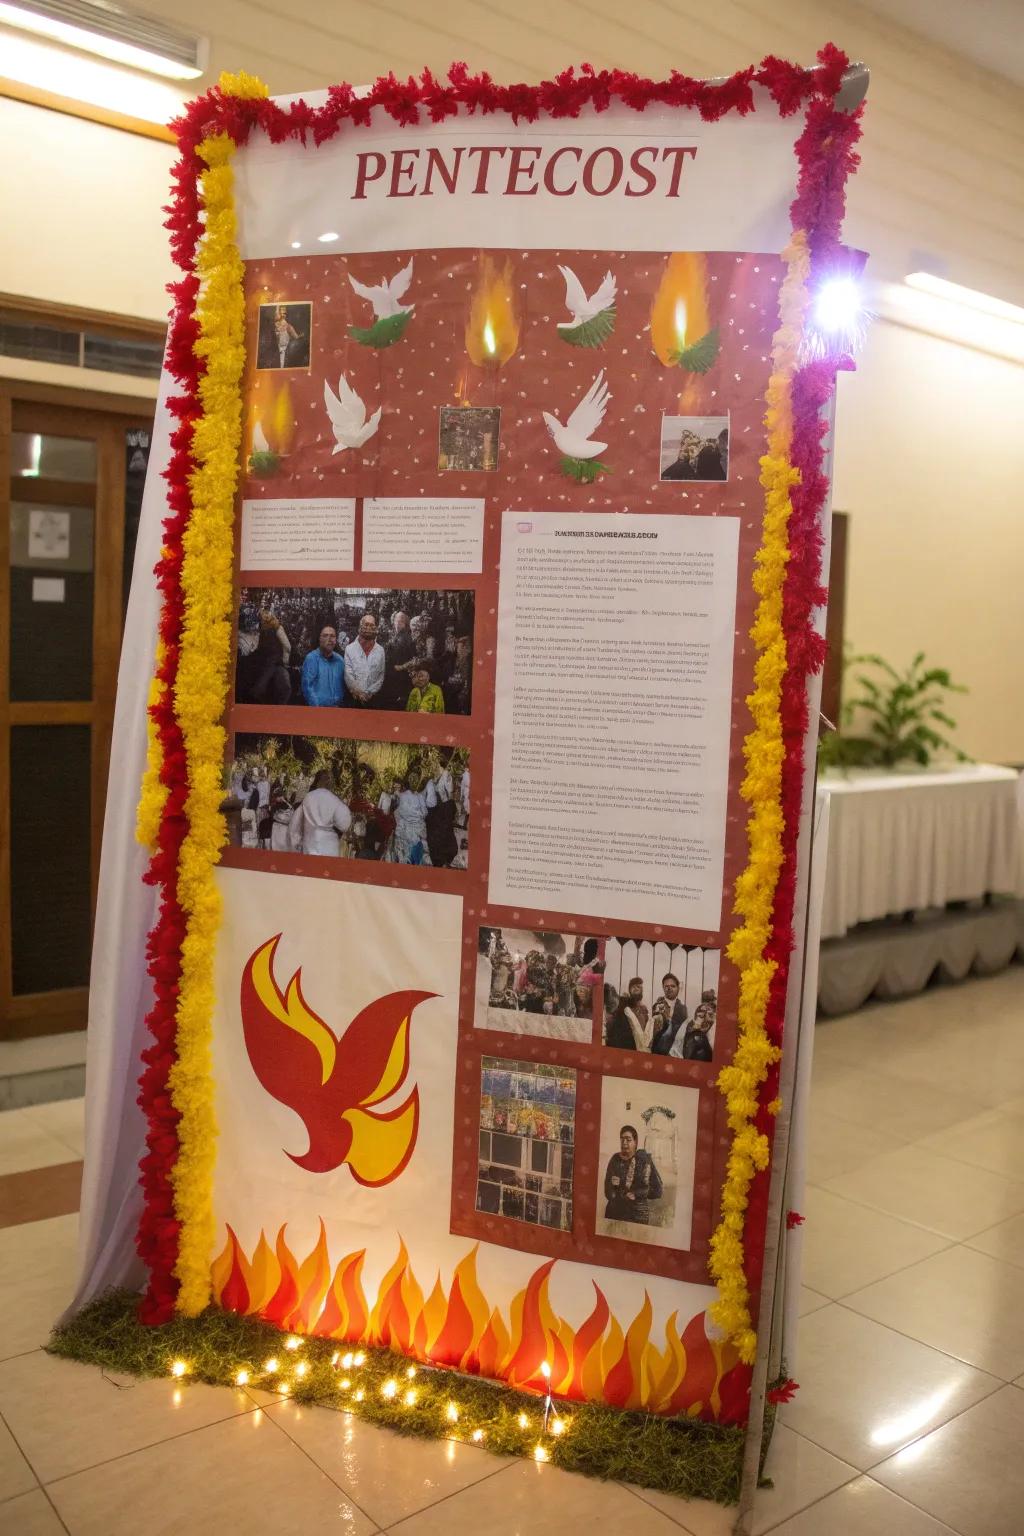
column 334, row 1083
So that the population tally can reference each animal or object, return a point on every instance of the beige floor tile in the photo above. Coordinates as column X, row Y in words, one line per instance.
column 38, row 1264
column 863, row 1508
column 810, row 1301
column 837, row 1146
column 959, row 1301
column 921, row 1186
column 24, row 1143
column 867, row 1096
column 847, row 1246
column 992, row 1140
column 16, row 1476
column 30, row 1515
column 969, row 1473
column 389, row 1478
column 67, row 1416
column 866, row 1391
column 801, row 1473
column 242, row 1475
column 64, row 1119
column 28, row 1311
column 1004, row 1241
column 528, row 1500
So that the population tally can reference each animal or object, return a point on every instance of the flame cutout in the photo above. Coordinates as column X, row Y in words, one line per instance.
column 334, row 1083
column 492, row 331
column 679, row 314
column 597, row 1362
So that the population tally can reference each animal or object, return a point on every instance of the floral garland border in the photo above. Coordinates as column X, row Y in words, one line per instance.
column 181, row 790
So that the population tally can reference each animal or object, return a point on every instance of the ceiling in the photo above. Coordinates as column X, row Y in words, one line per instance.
column 988, row 32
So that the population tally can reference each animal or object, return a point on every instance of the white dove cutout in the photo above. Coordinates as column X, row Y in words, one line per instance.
column 386, row 295
column 579, row 306
column 574, row 439
column 348, row 416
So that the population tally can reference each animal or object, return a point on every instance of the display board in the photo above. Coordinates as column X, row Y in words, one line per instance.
column 478, row 727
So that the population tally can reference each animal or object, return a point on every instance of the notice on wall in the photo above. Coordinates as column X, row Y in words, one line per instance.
column 612, row 714
column 423, row 534
column 317, row 534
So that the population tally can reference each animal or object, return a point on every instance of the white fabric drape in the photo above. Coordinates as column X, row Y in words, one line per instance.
column 119, row 987
column 902, row 842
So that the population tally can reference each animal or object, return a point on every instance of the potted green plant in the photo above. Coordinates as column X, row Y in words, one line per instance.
column 904, row 716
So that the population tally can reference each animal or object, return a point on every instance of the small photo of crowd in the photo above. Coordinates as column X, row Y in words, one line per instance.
column 530, row 982
column 342, row 647
column 386, row 801
column 285, row 332
column 527, row 1139
column 695, row 448
column 468, row 437
column 648, row 1144
column 660, row 998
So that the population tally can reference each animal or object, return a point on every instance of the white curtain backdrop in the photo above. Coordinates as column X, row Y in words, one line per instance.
column 119, row 988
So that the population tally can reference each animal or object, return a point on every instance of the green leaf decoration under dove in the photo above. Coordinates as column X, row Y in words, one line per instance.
column 263, row 461
column 593, row 318
column 699, row 357
column 390, row 316
column 580, row 450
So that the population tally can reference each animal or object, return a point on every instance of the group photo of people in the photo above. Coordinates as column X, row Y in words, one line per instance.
column 661, row 998
column 527, row 1141
column 469, row 437
column 648, row 1146
column 695, row 448
column 537, row 983
column 285, row 333
column 386, row 801
column 338, row 647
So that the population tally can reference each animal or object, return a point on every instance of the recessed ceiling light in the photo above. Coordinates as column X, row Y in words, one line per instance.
column 328, row 235
column 970, row 298
column 296, row 245
column 111, row 32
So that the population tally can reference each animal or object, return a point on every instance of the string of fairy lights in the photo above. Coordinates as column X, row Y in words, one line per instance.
column 354, row 1389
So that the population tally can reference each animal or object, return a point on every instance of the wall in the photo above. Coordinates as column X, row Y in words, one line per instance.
column 929, row 464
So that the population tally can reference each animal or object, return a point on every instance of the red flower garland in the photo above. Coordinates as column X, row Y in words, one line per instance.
column 818, row 209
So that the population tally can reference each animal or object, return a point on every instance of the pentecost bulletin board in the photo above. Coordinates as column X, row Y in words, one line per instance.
column 490, row 575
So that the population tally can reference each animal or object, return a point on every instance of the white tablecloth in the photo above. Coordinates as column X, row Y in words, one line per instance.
column 901, row 842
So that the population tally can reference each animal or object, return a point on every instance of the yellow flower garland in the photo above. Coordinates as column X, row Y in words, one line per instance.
column 200, row 694
column 154, row 792
column 762, row 790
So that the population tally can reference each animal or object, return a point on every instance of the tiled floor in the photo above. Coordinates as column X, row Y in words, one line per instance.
column 910, row 1415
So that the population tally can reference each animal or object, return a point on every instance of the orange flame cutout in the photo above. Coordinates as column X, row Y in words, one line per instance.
column 492, row 332
column 596, row 1362
column 679, row 314
column 334, row 1084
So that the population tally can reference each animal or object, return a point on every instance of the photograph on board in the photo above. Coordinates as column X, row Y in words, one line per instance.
column 283, row 339
column 527, row 1141
column 646, row 1163
column 660, row 998
column 695, row 448
column 535, row 982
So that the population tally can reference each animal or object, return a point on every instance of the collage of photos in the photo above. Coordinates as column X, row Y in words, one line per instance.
column 386, row 801
column 359, row 648
column 660, row 998
column 648, row 1149
column 527, row 1139
column 537, row 983
column 695, row 448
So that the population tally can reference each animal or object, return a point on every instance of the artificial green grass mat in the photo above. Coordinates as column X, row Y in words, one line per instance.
column 681, row 1456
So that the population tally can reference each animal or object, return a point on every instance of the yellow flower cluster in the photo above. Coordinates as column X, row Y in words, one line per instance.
column 762, row 790
column 200, row 695
column 154, row 793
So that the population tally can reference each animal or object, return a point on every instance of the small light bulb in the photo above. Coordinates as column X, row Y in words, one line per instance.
column 241, row 1378
column 347, row 1360
column 558, row 1426
column 358, row 1360
column 292, row 1342
column 477, row 1435
column 411, row 1372
column 335, row 1358
column 410, row 1398
column 178, row 1368
column 452, row 1414
column 301, row 1368
column 522, row 1421
column 344, row 1383
column 390, row 1387
column 360, row 1395
column 545, row 1370
column 539, row 1453
column 284, row 1388
column 270, row 1366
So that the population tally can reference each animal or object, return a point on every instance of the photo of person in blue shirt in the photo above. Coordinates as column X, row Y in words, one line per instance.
column 323, row 672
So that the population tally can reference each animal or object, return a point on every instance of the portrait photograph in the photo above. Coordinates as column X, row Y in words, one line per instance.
column 695, row 448
column 346, row 647
column 660, row 999
column 283, row 340
column 648, row 1144
column 530, row 982
column 469, row 437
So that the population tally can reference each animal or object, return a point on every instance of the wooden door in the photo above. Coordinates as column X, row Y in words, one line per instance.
column 72, row 476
